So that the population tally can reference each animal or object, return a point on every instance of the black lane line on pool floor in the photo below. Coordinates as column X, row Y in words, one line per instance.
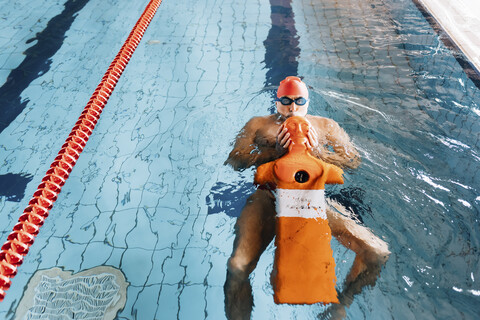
column 281, row 54
column 36, row 63
column 282, row 44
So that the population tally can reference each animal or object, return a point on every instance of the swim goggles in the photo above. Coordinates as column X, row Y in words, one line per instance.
column 286, row 101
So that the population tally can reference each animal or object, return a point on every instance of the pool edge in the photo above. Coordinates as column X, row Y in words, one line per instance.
column 456, row 39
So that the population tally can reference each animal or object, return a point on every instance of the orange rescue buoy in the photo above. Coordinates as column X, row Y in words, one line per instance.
column 304, row 268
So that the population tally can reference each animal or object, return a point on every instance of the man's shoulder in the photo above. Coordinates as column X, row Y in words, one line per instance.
column 320, row 121
column 262, row 120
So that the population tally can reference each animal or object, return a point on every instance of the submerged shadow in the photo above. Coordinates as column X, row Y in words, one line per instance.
column 229, row 197
column 351, row 198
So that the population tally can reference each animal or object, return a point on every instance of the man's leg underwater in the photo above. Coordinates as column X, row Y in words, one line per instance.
column 254, row 230
column 371, row 253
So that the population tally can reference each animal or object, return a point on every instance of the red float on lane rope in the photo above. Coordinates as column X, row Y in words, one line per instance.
column 33, row 217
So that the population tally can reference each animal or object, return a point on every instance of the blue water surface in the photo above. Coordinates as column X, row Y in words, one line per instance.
column 150, row 194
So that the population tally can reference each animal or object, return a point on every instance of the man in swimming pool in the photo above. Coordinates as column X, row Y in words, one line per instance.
column 264, row 139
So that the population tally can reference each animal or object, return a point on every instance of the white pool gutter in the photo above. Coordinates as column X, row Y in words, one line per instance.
column 461, row 21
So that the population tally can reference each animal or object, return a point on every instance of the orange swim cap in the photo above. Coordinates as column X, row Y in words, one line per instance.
column 292, row 86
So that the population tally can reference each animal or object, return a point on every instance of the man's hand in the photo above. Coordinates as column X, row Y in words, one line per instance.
column 283, row 137
column 312, row 137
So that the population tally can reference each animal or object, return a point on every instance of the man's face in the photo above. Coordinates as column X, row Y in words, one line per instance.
column 292, row 109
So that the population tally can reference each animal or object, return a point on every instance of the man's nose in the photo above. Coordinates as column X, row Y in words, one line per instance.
column 293, row 107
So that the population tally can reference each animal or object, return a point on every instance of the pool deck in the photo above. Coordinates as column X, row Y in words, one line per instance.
column 461, row 20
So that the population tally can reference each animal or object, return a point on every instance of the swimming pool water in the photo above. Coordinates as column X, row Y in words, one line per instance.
column 150, row 194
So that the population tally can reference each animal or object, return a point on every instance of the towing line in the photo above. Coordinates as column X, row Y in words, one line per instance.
column 34, row 215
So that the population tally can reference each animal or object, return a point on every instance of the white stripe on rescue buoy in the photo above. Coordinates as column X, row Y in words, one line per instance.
column 301, row 203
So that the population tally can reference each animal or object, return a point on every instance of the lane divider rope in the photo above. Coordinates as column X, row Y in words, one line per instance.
column 24, row 232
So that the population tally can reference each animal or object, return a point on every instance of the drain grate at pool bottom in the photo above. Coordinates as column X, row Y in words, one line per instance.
column 54, row 294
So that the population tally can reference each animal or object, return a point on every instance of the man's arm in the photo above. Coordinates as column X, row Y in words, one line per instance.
column 246, row 151
column 344, row 153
